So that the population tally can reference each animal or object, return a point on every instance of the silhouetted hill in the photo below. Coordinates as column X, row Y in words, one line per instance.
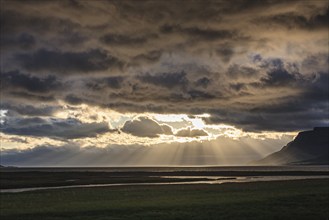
column 309, row 147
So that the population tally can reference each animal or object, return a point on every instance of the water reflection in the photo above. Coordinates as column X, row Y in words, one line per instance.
column 210, row 180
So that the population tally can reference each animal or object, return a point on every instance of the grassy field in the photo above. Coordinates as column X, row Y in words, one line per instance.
column 302, row 199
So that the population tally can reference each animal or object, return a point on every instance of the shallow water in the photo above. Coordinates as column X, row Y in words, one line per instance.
column 172, row 168
column 211, row 180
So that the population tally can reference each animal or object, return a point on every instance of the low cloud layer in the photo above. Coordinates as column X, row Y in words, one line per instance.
column 190, row 132
column 56, row 128
column 146, row 127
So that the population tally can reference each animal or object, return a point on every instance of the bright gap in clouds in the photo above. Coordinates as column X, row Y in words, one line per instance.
column 181, row 128
column 195, row 120
column 184, row 128
column 170, row 117
column 191, row 142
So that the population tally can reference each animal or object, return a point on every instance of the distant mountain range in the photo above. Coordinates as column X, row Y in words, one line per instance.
column 308, row 148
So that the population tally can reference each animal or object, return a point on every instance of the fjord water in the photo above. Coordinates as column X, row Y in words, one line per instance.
column 210, row 180
column 308, row 168
column 166, row 175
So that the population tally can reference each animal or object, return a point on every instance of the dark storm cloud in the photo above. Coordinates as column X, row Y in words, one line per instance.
column 197, row 94
column 67, row 62
column 276, row 73
column 266, row 121
column 203, row 82
column 23, row 41
column 74, row 100
column 168, row 80
column 26, row 97
column 238, row 71
column 122, row 40
column 25, row 30
column 196, row 32
column 251, row 64
column 225, row 52
column 209, row 34
column 279, row 77
column 299, row 112
column 318, row 89
column 148, row 57
column 29, row 110
column 15, row 79
column 56, row 128
column 145, row 127
column 114, row 82
column 14, row 21
column 281, row 74
column 242, row 6
column 292, row 20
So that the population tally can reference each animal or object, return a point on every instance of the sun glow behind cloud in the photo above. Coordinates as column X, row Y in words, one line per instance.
column 201, row 144
column 116, row 121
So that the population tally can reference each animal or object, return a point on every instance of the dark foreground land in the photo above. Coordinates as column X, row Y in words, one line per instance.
column 298, row 199
column 11, row 178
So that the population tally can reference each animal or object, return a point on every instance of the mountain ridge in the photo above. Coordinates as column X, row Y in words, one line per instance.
column 308, row 148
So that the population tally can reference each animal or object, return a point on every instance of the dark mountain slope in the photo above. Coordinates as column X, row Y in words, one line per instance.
column 309, row 147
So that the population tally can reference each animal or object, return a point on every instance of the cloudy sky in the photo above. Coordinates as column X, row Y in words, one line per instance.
column 123, row 83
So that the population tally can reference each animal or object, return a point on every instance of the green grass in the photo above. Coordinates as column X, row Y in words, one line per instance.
column 302, row 199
